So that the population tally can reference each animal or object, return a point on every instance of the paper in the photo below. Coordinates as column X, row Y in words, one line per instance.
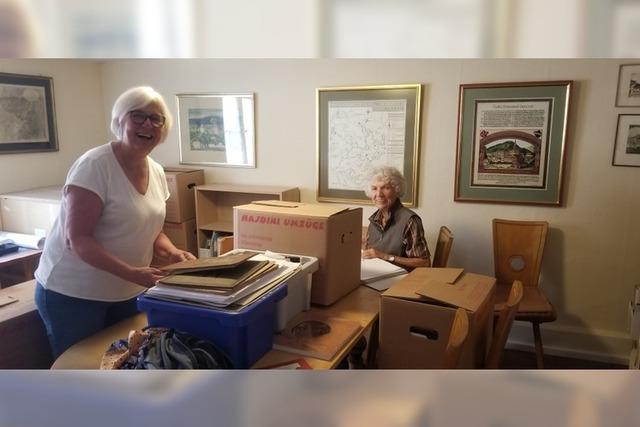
column 372, row 269
column 24, row 240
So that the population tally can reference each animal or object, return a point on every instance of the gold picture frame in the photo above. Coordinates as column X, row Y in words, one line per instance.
column 363, row 126
column 511, row 142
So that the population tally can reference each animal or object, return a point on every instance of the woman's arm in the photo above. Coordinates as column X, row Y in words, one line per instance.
column 409, row 263
column 164, row 248
column 84, row 209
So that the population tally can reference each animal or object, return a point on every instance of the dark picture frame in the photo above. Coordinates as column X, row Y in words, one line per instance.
column 27, row 111
column 626, row 146
column 512, row 141
column 359, row 127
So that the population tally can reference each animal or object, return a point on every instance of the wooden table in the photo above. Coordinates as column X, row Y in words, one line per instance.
column 361, row 305
column 24, row 261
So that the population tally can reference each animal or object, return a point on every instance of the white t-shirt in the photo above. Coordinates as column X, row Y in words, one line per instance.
column 127, row 228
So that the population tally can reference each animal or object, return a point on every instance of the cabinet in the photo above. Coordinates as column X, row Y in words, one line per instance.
column 215, row 202
column 30, row 211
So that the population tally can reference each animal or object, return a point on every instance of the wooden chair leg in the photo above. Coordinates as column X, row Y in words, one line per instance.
column 538, row 342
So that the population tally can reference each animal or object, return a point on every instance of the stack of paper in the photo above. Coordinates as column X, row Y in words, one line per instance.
column 374, row 269
column 23, row 240
column 232, row 281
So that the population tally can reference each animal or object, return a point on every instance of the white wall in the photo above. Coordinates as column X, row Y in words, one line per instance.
column 79, row 116
column 591, row 260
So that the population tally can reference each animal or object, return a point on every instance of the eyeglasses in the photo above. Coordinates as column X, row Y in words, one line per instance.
column 139, row 117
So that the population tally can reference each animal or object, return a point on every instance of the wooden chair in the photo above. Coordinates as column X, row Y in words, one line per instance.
column 443, row 247
column 518, row 247
column 457, row 337
column 503, row 325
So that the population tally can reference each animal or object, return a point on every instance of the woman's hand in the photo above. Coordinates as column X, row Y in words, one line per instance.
column 146, row 276
column 179, row 255
column 373, row 253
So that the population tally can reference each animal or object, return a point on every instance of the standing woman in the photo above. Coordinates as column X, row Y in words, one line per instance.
column 395, row 233
column 96, row 258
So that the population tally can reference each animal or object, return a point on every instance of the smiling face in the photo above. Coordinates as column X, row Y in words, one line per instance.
column 383, row 195
column 138, row 130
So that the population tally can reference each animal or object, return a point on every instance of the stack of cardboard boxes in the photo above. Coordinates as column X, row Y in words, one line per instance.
column 180, row 221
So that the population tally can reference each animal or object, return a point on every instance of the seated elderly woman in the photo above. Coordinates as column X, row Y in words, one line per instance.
column 395, row 233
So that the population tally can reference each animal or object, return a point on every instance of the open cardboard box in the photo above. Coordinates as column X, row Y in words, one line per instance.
column 416, row 315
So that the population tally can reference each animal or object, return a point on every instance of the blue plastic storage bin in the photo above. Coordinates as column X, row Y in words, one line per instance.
column 245, row 335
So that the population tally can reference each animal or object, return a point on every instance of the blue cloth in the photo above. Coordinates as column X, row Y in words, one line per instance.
column 69, row 320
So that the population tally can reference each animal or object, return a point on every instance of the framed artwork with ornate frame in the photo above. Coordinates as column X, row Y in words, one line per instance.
column 511, row 142
column 362, row 127
column 27, row 112
column 626, row 147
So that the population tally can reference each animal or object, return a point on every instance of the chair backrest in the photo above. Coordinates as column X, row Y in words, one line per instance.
column 457, row 337
column 443, row 247
column 503, row 325
column 518, row 247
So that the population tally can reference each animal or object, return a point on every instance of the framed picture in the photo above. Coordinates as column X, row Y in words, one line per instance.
column 628, row 86
column 28, row 114
column 363, row 127
column 511, row 142
column 626, row 148
column 217, row 129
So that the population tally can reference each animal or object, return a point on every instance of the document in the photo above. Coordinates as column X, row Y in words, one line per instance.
column 23, row 240
column 374, row 269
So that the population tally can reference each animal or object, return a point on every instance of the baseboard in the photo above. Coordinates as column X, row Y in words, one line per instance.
column 580, row 343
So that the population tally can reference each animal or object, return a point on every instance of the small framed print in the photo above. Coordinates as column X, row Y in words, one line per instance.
column 217, row 129
column 626, row 148
column 628, row 94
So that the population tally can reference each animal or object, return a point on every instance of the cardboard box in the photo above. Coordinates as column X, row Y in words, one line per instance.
column 329, row 233
column 182, row 234
column 31, row 211
column 416, row 315
column 181, row 205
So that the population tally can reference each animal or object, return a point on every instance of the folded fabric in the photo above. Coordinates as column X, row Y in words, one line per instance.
column 162, row 348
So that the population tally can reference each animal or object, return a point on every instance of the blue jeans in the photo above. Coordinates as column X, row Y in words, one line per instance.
column 69, row 320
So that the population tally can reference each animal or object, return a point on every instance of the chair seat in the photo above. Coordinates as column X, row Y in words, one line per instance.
column 534, row 307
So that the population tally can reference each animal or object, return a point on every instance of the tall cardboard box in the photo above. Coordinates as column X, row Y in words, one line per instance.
column 329, row 233
column 182, row 234
column 181, row 204
column 416, row 315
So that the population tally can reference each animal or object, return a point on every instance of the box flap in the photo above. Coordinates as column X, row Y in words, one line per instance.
column 433, row 284
column 466, row 295
column 292, row 208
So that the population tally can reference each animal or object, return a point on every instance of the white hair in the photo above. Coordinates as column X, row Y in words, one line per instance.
column 134, row 99
column 388, row 175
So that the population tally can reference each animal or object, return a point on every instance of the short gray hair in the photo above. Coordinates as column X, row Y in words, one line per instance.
column 388, row 175
column 134, row 99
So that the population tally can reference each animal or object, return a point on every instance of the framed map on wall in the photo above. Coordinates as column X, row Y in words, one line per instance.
column 27, row 114
column 363, row 127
